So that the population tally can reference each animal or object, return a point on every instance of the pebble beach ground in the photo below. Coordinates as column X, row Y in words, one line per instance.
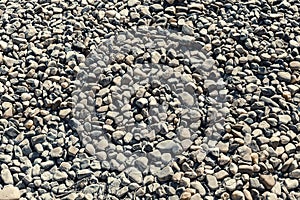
column 230, row 128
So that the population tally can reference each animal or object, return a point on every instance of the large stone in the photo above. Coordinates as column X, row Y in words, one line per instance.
column 10, row 192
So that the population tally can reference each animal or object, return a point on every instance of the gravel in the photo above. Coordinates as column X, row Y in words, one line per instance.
column 219, row 121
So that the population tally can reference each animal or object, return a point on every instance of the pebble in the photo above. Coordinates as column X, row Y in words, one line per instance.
column 165, row 174
column 295, row 65
column 212, row 182
column 56, row 152
column 6, row 176
column 50, row 150
column 284, row 76
column 185, row 196
column 267, row 180
column 291, row 183
column 237, row 195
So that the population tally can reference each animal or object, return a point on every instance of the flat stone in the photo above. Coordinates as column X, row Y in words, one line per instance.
column 220, row 175
column 294, row 44
column 265, row 56
column 186, row 29
column 117, row 135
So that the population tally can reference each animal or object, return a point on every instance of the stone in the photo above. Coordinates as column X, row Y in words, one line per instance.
column 9, row 192
column 230, row 184
column 267, row 180
column 169, row 145
column 165, row 174
column 284, row 76
column 155, row 57
column 233, row 168
column 141, row 102
column 295, row 65
column 294, row 44
column 285, row 119
column 135, row 175
column 186, row 29
column 117, row 135
column 196, row 197
column 185, row 196
column 237, row 195
column 290, row 148
column 3, row 45
column 295, row 174
column 199, row 187
column 220, row 175
column 6, row 176
column 64, row 112
column 212, row 182
column 60, row 176
column 90, row 149
column 291, row 183
column 56, row 152
column 10, row 62
column 186, row 99
column 132, row 3
column 11, row 131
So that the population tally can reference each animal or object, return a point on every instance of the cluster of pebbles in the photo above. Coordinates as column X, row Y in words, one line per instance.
column 46, row 153
column 137, row 100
